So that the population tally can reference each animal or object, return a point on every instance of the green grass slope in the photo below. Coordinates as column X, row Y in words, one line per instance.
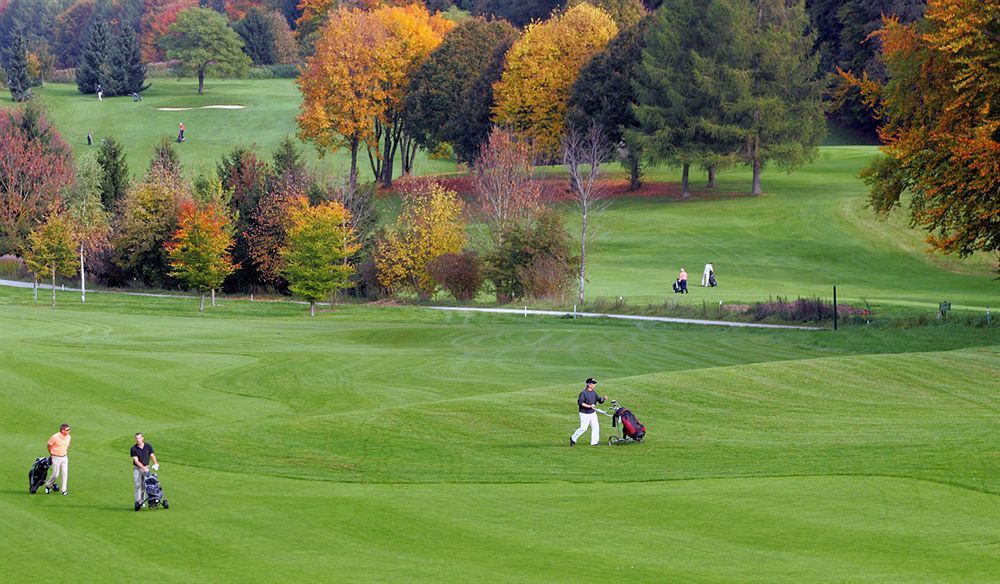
column 385, row 444
column 268, row 115
column 808, row 232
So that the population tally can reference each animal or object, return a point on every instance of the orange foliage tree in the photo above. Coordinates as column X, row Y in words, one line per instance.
column 940, row 113
column 354, row 85
column 539, row 72
column 156, row 23
column 199, row 250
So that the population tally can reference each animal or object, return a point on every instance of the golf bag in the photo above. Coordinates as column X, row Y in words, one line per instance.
column 677, row 286
column 38, row 473
column 711, row 280
column 632, row 429
column 154, row 492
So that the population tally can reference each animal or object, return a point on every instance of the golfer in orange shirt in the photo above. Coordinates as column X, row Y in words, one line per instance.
column 58, row 450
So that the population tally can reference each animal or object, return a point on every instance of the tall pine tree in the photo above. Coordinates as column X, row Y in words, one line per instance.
column 258, row 38
column 18, row 79
column 678, row 115
column 767, row 87
column 114, row 173
column 129, row 70
column 93, row 60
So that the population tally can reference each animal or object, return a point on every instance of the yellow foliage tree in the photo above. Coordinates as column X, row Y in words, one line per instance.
column 354, row 86
column 430, row 225
column 539, row 72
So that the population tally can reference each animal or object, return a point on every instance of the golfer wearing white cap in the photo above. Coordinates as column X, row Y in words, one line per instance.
column 587, row 403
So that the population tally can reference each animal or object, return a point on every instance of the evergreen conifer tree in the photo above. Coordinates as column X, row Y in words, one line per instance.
column 129, row 70
column 18, row 79
column 258, row 38
column 114, row 173
column 93, row 60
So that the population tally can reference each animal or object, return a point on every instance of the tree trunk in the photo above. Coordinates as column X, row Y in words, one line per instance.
column 756, row 176
column 83, row 278
column 711, row 178
column 35, row 288
column 353, row 182
column 201, row 305
column 312, row 308
column 685, row 192
column 53, row 285
column 213, row 296
column 634, row 176
column 201, row 81
column 583, row 253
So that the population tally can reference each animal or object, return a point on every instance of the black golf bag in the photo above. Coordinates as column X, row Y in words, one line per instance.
column 632, row 429
column 154, row 492
column 677, row 286
column 38, row 473
column 711, row 280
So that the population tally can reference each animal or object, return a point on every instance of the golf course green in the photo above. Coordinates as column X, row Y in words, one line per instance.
column 386, row 443
column 402, row 444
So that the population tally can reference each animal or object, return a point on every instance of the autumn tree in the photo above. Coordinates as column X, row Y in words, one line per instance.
column 147, row 220
column 286, row 50
column 199, row 249
column 354, row 86
column 436, row 107
column 625, row 13
column 504, row 185
column 70, row 32
column 315, row 257
column 35, row 169
column 940, row 125
column 539, row 72
column 535, row 259
column 203, row 42
column 342, row 86
column 412, row 33
column 430, row 225
column 51, row 249
column 157, row 19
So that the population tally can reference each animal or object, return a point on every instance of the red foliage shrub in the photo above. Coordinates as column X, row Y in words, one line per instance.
column 461, row 274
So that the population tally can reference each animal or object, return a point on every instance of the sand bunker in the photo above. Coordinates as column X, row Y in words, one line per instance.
column 182, row 109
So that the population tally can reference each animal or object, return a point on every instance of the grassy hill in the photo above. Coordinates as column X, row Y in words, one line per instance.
column 396, row 444
column 270, row 107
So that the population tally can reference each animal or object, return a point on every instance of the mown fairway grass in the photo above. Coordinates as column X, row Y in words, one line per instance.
column 403, row 445
column 270, row 109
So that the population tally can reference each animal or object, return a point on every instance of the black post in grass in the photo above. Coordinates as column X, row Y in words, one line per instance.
column 834, row 308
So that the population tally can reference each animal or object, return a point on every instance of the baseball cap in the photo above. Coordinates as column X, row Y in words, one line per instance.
column 591, row 380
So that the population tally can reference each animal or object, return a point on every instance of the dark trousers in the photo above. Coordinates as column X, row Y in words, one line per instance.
column 684, row 286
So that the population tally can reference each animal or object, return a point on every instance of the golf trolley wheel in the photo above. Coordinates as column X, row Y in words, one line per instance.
column 613, row 440
column 166, row 504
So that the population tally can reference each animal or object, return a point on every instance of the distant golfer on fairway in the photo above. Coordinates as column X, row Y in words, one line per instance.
column 59, row 450
column 587, row 403
column 142, row 454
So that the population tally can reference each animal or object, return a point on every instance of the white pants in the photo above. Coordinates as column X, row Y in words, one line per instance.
column 589, row 420
column 60, row 468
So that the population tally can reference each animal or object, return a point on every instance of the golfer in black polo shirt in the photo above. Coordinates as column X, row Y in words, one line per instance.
column 587, row 403
column 142, row 453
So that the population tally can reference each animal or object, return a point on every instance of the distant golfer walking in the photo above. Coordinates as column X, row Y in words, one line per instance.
column 59, row 449
column 587, row 404
column 142, row 453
